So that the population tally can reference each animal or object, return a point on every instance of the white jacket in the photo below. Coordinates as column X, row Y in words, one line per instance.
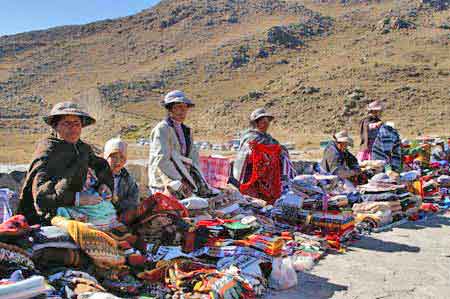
column 166, row 163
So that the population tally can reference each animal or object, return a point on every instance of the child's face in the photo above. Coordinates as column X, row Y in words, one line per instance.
column 116, row 162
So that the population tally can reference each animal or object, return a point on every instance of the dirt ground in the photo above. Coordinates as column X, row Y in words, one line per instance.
column 412, row 261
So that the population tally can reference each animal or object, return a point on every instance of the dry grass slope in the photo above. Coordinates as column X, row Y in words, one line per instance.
column 314, row 63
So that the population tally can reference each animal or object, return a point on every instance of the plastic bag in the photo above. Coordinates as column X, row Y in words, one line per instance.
column 283, row 275
column 302, row 262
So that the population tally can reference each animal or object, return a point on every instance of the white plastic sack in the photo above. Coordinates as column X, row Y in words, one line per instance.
column 283, row 275
column 302, row 262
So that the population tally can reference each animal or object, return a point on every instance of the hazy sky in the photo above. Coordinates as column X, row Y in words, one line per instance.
column 25, row 15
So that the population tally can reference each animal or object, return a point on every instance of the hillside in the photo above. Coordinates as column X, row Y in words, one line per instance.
column 315, row 64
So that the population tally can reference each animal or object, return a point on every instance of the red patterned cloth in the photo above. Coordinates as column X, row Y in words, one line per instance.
column 152, row 205
column 216, row 170
column 265, row 179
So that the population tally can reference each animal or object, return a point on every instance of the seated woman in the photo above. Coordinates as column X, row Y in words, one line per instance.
column 256, row 140
column 438, row 154
column 173, row 159
column 337, row 160
column 126, row 191
column 59, row 168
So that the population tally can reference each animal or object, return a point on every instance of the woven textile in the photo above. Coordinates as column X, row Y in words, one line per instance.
column 216, row 170
column 265, row 179
column 96, row 244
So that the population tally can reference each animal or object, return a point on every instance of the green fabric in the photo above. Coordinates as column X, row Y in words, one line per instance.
column 102, row 214
column 236, row 226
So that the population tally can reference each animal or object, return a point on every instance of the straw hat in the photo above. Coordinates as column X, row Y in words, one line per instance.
column 343, row 137
column 68, row 108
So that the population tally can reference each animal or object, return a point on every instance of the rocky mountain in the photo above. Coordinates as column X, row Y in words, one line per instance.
column 315, row 64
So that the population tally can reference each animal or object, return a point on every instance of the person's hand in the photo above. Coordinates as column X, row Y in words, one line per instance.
column 186, row 190
column 105, row 192
column 87, row 199
column 379, row 124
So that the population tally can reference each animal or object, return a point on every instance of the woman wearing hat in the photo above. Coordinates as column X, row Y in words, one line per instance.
column 173, row 160
column 338, row 160
column 369, row 130
column 438, row 153
column 387, row 148
column 60, row 165
column 260, row 120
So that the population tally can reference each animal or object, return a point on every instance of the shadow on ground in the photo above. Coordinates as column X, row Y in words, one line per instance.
column 311, row 286
column 436, row 221
column 369, row 243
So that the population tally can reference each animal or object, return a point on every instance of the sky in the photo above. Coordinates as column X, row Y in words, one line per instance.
column 26, row 15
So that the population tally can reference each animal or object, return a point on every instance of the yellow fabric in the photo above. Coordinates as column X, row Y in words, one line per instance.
column 103, row 249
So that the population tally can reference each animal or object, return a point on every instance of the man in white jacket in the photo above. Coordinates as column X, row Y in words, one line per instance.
column 173, row 160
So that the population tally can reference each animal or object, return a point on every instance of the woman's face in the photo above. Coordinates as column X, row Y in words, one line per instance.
column 376, row 113
column 179, row 112
column 69, row 128
column 116, row 162
column 263, row 124
column 342, row 146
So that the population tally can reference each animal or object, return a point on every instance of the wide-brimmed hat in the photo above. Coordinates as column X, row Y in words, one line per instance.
column 343, row 136
column 375, row 106
column 259, row 113
column 68, row 108
column 176, row 96
column 438, row 141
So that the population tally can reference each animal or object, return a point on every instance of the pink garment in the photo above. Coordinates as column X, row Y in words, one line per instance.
column 181, row 138
column 364, row 155
column 216, row 170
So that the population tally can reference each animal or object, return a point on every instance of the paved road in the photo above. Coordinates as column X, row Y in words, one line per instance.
column 412, row 261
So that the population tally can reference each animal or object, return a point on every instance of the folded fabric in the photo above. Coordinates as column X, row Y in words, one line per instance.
column 156, row 203
column 15, row 227
column 227, row 212
column 96, row 244
column 74, row 283
column 216, row 170
column 195, row 203
column 225, row 198
column 444, row 181
column 102, row 216
column 99, row 295
column 51, row 257
column 409, row 176
column 289, row 200
column 14, row 258
column 24, row 289
column 5, row 209
column 387, row 196
column 52, row 237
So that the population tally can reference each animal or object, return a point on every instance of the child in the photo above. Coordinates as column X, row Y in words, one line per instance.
column 101, row 216
column 126, row 191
